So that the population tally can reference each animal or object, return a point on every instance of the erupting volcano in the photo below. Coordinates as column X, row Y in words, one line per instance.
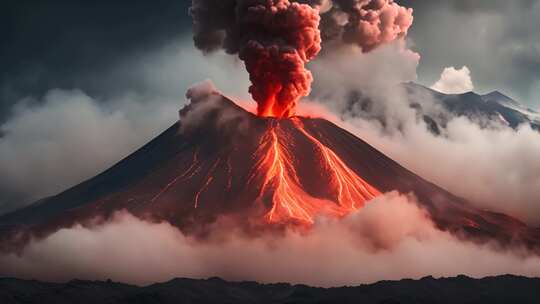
column 221, row 161
column 273, row 168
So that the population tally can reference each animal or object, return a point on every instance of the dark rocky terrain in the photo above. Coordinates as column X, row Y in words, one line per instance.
column 502, row 289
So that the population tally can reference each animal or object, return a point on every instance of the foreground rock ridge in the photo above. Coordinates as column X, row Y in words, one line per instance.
column 461, row 289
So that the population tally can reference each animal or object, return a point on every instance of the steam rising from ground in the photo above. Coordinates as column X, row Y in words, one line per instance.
column 366, row 246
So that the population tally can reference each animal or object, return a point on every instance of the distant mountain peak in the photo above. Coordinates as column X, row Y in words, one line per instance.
column 495, row 106
column 497, row 96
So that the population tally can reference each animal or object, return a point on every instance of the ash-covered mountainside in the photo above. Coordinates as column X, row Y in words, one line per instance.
column 492, row 107
column 502, row 289
column 221, row 160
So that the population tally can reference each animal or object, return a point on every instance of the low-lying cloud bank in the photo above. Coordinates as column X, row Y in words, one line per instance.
column 391, row 238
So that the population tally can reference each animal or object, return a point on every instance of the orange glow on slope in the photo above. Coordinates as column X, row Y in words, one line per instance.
column 352, row 191
column 294, row 175
column 281, row 182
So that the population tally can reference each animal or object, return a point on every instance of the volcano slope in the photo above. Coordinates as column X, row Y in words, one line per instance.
column 221, row 160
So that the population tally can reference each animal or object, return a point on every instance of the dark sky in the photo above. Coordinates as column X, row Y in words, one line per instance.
column 497, row 39
column 67, row 44
column 72, row 45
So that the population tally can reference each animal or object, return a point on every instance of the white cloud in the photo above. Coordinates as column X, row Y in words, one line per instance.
column 454, row 81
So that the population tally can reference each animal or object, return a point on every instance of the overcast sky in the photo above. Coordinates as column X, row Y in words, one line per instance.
column 72, row 44
column 498, row 40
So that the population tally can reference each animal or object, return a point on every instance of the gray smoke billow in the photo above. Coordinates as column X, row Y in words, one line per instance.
column 277, row 38
column 366, row 23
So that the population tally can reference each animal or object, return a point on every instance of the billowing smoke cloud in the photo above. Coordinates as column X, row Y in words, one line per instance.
column 366, row 246
column 366, row 23
column 454, row 81
column 277, row 38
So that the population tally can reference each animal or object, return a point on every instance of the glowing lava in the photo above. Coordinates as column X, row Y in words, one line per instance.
column 274, row 107
column 282, row 185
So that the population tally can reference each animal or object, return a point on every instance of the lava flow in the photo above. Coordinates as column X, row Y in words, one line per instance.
column 282, row 184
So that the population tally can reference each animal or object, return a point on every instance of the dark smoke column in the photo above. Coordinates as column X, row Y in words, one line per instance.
column 274, row 38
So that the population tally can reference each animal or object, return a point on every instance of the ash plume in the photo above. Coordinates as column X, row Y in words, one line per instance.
column 366, row 23
column 277, row 38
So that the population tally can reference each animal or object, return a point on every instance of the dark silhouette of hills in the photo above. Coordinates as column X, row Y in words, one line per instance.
column 461, row 289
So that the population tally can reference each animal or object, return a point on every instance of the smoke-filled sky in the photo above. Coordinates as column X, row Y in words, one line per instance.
column 83, row 84
column 75, row 44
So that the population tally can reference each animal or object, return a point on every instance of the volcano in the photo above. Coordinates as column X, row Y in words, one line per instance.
column 220, row 160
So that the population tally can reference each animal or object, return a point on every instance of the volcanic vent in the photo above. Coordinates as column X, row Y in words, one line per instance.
column 275, row 165
column 222, row 161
